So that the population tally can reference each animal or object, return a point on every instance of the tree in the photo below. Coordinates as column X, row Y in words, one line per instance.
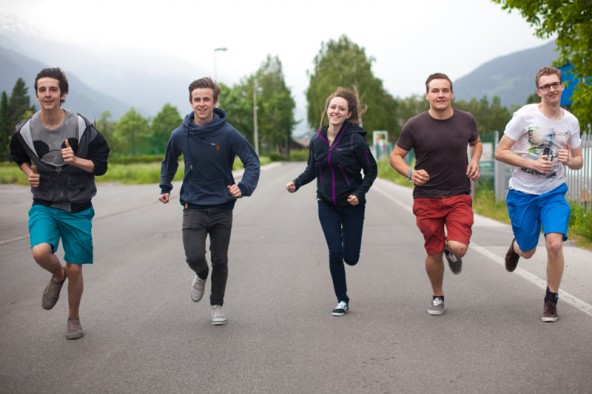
column 5, row 128
column 237, row 101
column 133, row 131
column 572, row 22
column 489, row 116
column 344, row 63
column 19, row 102
column 161, row 127
column 275, row 106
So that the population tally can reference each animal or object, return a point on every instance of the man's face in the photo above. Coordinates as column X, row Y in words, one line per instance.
column 439, row 95
column 203, row 104
column 48, row 93
column 550, row 88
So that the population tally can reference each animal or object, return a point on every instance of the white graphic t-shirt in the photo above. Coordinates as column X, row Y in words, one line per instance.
column 537, row 135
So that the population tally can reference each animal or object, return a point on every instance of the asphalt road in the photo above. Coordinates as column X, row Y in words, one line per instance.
column 145, row 335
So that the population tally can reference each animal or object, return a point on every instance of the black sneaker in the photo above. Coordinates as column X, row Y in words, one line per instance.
column 512, row 257
column 341, row 309
column 454, row 262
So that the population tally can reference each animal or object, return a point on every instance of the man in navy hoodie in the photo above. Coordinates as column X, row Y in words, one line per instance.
column 209, row 145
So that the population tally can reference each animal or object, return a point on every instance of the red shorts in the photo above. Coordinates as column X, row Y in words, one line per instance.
column 434, row 214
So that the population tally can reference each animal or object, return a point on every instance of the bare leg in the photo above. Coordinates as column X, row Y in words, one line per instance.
column 48, row 260
column 555, row 260
column 75, row 288
column 435, row 270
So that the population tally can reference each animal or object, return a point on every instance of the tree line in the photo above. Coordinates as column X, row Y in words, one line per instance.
column 339, row 62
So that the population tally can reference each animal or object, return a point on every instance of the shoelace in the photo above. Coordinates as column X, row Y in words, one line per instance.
column 342, row 305
column 438, row 301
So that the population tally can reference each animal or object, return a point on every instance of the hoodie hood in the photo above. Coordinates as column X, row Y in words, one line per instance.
column 215, row 124
column 346, row 128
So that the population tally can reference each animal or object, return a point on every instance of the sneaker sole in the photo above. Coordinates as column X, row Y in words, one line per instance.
column 338, row 313
column 435, row 313
column 196, row 300
column 76, row 335
column 549, row 319
column 219, row 323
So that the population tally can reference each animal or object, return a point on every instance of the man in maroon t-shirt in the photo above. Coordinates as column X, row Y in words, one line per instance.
column 442, row 178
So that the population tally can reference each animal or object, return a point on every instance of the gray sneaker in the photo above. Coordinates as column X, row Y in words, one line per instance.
column 74, row 330
column 218, row 317
column 436, row 307
column 51, row 294
column 198, row 287
column 454, row 262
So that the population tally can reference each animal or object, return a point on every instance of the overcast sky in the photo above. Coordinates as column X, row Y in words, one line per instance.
column 408, row 40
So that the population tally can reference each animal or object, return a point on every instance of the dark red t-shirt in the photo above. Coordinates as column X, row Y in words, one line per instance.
column 440, row 149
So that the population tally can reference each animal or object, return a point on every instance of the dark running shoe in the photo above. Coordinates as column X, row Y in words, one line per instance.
column 341, row 309
column 512, row 257
column 550, row 312
column 454, row 262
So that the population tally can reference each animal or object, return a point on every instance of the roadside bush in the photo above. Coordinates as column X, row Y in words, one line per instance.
column 274, row 156
column 299, row 155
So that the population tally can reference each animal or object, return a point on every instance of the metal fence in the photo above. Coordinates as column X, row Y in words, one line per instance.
column 579, row 182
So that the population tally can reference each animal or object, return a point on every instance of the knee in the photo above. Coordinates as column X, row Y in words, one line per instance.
column 554, row 245
column 73, row 271
column 220, row 268
column 197, row 262
column 41, row 252
column 459, row 250
column 528, row 254
column 351, row 260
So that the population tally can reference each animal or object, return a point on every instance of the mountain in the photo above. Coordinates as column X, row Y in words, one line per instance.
column 131, row 77
column 509, row 77
column 82, row 98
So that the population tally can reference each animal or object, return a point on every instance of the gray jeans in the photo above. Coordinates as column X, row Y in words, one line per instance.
column 197, row 224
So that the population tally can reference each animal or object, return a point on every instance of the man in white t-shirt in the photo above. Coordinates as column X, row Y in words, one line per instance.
column 539, row 141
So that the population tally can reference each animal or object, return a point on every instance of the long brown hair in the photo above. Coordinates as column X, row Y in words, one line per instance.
column 353, row 104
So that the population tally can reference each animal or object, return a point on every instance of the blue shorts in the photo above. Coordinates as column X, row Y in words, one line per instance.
column 529, row 212
column 48, row 225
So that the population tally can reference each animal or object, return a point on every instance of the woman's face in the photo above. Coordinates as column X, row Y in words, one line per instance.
column 338, row 111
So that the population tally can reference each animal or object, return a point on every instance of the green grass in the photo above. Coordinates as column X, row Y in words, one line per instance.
column 131, row 173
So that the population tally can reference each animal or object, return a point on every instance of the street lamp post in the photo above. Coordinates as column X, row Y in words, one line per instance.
column 221, row 49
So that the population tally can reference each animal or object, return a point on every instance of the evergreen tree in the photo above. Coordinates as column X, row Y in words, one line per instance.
column 5, row 128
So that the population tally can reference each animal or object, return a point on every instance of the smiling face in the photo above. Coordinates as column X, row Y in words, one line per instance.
column 550, row 89
column 203, row 104
column 49, row 94
column 439, row 95
column 338, row 111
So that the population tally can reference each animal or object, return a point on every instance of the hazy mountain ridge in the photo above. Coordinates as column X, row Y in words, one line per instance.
column 113, row 79
column 509, row 77
column 117, row 78
column 82, row 98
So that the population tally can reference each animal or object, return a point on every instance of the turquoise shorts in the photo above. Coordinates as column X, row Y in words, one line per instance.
column 529, row 212
column 48, row 225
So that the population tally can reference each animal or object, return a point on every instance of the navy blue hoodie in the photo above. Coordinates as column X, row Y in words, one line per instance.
column 209, row 152
column 338, row 167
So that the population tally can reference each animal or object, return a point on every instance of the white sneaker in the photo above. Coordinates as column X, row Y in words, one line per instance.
column 218, row 317
column 198, row 286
